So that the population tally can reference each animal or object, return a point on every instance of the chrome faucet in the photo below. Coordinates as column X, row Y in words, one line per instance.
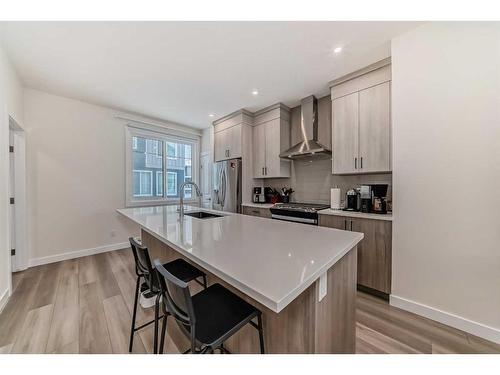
column 198, row 193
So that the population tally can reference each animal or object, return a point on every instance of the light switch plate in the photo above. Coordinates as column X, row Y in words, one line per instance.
column 322, row 287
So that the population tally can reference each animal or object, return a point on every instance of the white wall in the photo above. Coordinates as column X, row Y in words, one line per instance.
column 75, row 176
column 11, row 103
column 446, row 179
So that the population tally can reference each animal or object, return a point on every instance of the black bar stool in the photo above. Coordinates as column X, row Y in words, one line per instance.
column 209, row 317
column 143, row 269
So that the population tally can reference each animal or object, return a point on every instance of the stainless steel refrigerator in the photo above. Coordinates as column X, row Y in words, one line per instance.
column 227, row 186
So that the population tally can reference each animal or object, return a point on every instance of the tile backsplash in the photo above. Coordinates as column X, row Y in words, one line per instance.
column 313, row 179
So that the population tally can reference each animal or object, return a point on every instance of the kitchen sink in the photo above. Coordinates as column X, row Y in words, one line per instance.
column 201, row 215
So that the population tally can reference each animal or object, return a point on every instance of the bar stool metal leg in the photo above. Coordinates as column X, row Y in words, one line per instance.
column 157, row 313
column 261, row 334
column 163, row 331
column 132, row 329
column 205, row 281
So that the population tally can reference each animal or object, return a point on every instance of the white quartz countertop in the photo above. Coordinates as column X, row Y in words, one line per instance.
column 258, row 205
column 271, row 261
column 355, row 214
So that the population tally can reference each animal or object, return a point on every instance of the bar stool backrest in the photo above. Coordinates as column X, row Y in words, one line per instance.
column 143, row 265
column 177, row 298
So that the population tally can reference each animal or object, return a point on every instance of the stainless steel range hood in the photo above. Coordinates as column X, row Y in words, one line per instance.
column 309, row 146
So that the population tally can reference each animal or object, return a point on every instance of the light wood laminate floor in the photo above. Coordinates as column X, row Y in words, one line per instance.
column 84, row 306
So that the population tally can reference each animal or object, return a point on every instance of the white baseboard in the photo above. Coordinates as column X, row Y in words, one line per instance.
column 3, row 300
column 77, row 254
column 475, row 328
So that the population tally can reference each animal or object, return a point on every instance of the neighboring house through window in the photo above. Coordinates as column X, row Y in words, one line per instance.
column 159, row 184
column 156, row 159
column 143, row 183
column 172, row 184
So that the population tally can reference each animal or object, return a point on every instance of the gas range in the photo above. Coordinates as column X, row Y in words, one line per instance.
column 306, row 213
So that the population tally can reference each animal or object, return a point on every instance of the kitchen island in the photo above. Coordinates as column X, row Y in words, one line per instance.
column 302, row 277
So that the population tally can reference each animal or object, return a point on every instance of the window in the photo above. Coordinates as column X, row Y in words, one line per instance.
column 157, row 159
column 159, row 184
column 143, row 183
column 147, row 161
column 171, row 184
column 171, row 150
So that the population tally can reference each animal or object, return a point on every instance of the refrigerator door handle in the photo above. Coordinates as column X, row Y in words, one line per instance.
column 219, row 200
column 223, row 186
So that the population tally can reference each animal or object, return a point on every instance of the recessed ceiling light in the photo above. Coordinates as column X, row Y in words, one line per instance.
column 211, row 115
column 255, row 92
column 337, row 50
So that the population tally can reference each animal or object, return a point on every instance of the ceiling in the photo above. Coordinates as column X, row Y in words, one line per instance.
column 184, row 71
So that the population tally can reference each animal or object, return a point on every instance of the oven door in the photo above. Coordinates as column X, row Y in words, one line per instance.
column 295, row 216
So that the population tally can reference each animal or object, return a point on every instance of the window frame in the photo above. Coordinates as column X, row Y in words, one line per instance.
column 165, row 135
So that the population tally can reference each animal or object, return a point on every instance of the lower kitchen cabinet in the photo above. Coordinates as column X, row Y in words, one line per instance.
column 255, row 211
column 374, row 251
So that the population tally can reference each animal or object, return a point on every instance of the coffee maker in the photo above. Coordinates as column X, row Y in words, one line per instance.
column 352, row 200
column 365, row 192
column 379, row 193
column 258, row 195
column 373, row 198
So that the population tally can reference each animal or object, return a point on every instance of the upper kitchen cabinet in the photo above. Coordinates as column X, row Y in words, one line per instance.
column 271, row 136
column 228, row 133
column 361, row 134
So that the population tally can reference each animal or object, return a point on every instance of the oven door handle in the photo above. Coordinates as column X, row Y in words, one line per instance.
column 295, row 219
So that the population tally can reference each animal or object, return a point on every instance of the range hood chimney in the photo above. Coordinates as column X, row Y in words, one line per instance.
column 309, row 145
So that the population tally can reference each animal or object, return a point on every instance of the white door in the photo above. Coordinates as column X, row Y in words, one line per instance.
column 345, row 134
column 206, row 180
column 12, row 210
column 375, row 129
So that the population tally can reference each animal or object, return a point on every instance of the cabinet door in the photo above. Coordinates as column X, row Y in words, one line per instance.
column 374, row 253
column 273, row 148
column 375, row 129
column 220, row 145
column 345, row 134
column 332, row 221
column 259, row 151
column 234, row 141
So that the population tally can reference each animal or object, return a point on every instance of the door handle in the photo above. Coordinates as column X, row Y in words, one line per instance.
column 219, row 191
column 361, row 162
column 355, row 163
column 223, row 187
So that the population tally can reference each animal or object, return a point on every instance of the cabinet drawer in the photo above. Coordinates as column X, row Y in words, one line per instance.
column 255, row 211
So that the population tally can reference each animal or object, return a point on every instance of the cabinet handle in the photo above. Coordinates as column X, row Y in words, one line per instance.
column 262, row 171
column 355, row 163
column 361, row 162
column 345, row 224
column 351, row 225
column 265, row 169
